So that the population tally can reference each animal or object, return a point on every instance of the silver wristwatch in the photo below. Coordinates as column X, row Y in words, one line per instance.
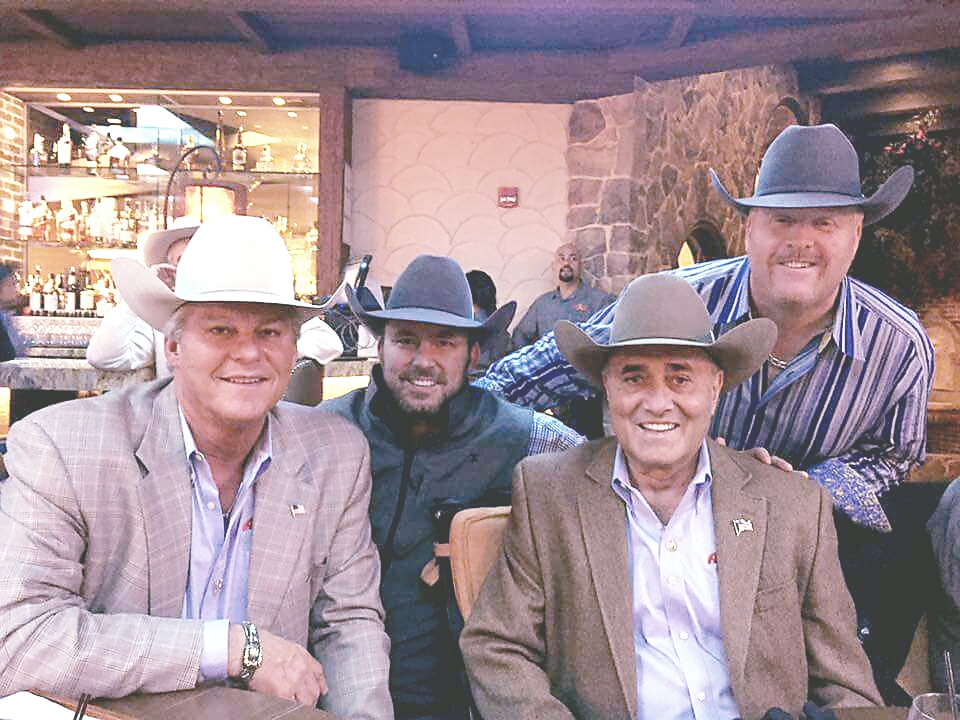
column 252, row 656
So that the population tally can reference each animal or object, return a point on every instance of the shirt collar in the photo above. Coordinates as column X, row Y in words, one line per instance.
column 261, row 452
column 702, row 476
column 845, row 332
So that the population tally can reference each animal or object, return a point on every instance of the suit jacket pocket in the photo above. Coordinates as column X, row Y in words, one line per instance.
column 778, row 596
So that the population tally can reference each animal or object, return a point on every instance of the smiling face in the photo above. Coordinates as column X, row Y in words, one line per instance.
column 231, row 364
column 661, row 402
column 424, row 365
column 798, row 257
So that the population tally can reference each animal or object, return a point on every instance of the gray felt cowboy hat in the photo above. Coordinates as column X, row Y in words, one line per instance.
column 231, row 259
column 815, row 167
column 664, row 310
column 433, row 290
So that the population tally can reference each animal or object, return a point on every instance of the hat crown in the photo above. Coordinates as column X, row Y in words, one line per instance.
column 810, row 159
column 236, row 254
column 433, row 283
column 661, row 307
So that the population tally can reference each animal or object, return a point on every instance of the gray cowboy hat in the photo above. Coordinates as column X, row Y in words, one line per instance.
column 664, row 310
column 433, row 290
column 815, row 167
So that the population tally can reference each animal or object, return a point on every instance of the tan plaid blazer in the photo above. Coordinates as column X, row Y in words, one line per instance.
column 95, row 526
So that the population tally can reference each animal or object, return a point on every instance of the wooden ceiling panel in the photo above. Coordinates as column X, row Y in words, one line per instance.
column 13, row 28
column 149, row 25
column 348, row 30
column 571, row 33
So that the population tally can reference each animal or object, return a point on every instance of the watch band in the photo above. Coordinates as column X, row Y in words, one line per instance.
column 252, row 657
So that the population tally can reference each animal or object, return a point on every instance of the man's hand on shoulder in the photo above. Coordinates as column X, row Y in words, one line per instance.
column 287, row 671
column 764, row 456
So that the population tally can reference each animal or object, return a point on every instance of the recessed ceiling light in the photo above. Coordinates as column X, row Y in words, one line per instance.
column 225, row 100
column 88, row 108
column 291, row 114
column 115, row 98
column 64, row 97
column 257, row 126
column 304, row 127
column 9, row 133
column 241, row 113
column 279, row 101
column 114, row 121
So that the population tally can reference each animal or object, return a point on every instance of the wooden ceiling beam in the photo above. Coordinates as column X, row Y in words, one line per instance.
column 47, row 25
column 812, row 9
column 531, row 76
column 844, row 108
column 836, row 78
column 252, row 30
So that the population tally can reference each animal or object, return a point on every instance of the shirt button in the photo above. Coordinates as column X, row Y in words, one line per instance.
column 671, row 545
column 218, row 585
column 211, row 505
column 684, row 635
column 673, row 579
column 701, row 696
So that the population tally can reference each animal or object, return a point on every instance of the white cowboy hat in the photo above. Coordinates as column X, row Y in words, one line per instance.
column 664, row 310
column 231, row 259
column 157, row 244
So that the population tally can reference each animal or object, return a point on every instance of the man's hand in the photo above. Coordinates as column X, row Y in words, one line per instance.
column 288, row 670
column 764, row 456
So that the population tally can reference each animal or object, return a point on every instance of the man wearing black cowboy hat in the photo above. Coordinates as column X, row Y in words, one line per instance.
column 843, row 394
column 432, row 437
column 657, row 574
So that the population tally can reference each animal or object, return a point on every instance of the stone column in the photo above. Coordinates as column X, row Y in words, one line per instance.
column 13, row 131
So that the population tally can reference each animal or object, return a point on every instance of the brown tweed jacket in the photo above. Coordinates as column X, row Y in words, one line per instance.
column 95, row 524
column 552, row 634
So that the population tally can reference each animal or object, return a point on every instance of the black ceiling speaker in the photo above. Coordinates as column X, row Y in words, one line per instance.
column 424, row 52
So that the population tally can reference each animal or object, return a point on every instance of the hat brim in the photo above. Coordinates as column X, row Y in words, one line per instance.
column 150, row 298
column 739, row 352
column 157, row 245
column 876, row 207
column 493, row 326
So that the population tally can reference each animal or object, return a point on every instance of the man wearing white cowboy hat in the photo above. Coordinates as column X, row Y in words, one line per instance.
column 658, row 574
column 843, row 394
column 432, row 437
column 193, row 530
column 123, row 341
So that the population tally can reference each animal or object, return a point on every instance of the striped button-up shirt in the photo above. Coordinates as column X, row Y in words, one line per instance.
column 850, row 408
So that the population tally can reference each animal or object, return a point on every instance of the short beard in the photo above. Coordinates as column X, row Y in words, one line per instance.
column 566, row 274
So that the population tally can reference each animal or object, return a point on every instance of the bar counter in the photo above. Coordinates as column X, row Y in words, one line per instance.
column 66, row 374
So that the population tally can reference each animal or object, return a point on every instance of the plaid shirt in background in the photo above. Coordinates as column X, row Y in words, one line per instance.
column 850, row 408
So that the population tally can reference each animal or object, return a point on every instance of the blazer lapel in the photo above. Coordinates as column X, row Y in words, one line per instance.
column 739, row 554
column 286, row 498
column 167, row 505
column 604, row 525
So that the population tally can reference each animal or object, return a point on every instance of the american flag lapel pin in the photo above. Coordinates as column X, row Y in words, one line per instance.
column 742, row 525
column 297, row 509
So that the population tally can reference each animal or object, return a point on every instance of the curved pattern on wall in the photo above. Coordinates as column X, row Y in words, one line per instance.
column 425, row 178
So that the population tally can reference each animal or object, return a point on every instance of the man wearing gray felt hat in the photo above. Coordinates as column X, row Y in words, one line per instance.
column 657, row 574
column 843, row 392
column 432, row 437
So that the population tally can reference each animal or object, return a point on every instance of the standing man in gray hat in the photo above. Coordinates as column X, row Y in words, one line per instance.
column 657, row 574
column 843, row 394
column 432, row 437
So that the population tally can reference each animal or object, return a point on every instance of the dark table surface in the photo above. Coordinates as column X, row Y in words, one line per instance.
column 214, row 703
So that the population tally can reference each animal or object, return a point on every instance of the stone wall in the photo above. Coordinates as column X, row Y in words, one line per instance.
column 12, row 156
column 638, row 166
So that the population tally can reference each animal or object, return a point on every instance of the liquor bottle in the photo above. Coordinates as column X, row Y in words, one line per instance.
column 51, row 302
column 88, row 296
column 239, row 155
column 219, row 139
column 72, row 303
column 36, row 292
column 37, row 155
column 64, row 148
column 300, row 162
